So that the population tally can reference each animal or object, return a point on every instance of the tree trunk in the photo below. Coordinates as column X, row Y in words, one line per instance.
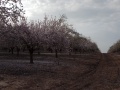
column 12, row 50
column 18, row 51
column 24, row 48
column 39, row 51
column 31, row 55
column 9, row 50
column 56, row 53
column 51, row 51
column 70, row 51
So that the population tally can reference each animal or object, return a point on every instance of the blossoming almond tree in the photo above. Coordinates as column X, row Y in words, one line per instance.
column 11, row 11
column 57, row 34
column 27, row 35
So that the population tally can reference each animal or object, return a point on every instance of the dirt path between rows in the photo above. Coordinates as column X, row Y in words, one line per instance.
column 104, row 76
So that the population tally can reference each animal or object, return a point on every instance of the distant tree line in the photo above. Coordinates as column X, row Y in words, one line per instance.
column 115, row 48
column 52, row 34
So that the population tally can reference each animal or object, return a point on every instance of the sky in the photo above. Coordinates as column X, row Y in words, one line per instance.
column 97, row 19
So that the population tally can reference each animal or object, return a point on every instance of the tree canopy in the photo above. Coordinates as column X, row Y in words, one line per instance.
column 115, row 48
column 11, row 11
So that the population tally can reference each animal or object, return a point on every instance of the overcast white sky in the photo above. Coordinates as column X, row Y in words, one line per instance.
column 97, row 19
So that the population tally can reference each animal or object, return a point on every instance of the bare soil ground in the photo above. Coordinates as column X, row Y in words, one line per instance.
column 77, row 72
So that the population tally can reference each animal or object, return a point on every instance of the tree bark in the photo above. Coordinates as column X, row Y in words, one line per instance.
column 31, row 56
column 70, row 51
column 39, row 51
column 56, row 53
column 12, row 50
column 18, row 51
